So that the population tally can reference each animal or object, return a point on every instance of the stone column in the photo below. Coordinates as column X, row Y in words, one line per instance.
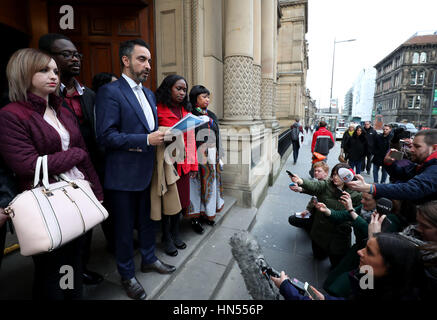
column 257, row 82
column 268, row 61
column 268, row 8
column 238, row 61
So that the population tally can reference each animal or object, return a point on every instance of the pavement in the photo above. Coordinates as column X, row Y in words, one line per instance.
column 206, row 269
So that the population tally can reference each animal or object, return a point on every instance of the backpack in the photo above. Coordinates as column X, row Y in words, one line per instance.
column 295, row 132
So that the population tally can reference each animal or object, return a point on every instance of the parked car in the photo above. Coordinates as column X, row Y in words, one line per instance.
column 407, row 126
column 339, row 132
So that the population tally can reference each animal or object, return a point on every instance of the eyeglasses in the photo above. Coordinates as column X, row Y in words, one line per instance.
column 70, row 54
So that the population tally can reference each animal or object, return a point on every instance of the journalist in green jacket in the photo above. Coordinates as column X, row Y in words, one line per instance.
column 329, row 239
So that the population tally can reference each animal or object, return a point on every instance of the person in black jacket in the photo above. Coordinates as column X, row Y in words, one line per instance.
column 357, row 148
column 381, row 147
column 370, row 137
column 346, row 136
column 80, row 101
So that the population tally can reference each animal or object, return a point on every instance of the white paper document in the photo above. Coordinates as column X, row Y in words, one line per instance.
column 187, row 123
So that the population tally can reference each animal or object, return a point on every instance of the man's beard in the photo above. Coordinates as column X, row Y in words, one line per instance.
column 139, row 76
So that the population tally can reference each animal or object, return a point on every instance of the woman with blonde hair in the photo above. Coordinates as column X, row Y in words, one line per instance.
column 35, row 124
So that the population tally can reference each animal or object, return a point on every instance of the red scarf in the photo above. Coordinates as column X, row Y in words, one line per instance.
column 167, row 118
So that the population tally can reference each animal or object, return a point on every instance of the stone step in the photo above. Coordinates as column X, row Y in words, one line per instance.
column 202, row 277
column 153, row 283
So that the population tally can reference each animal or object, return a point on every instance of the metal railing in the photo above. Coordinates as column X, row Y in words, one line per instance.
column 284, row 142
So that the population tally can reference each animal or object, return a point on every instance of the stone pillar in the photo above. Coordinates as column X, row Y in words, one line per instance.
column 257, row 82
column 246, row 169
column 238, row 70
column 268, row 62
column 268, row 8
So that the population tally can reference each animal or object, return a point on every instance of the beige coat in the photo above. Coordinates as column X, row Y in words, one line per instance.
column 164, row 196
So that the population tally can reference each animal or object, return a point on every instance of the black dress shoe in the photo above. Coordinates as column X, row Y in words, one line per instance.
column 180, row 244
column 158, row 266
column 197, row 227
column 91, row 278
column 210, row 222
column 134, row 289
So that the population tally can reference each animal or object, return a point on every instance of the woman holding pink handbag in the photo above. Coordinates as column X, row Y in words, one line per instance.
column 35, row 124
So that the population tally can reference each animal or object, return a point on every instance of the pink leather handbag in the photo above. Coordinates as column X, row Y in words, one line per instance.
column 47, row 217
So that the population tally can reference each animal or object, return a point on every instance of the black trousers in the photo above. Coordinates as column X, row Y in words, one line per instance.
column 320, row 254
column 296, row 146
column 48, row 277
column 130, row 208
column 367, row 163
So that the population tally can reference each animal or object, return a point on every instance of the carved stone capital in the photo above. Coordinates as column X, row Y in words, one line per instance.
column 238, row 91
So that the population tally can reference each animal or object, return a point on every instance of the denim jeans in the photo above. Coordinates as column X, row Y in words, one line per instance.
column 356, row 165
column 376, row 172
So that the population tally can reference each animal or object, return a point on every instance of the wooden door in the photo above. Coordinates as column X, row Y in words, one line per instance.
column 100, row 27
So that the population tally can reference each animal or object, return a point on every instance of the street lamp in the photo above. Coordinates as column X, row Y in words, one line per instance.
column 332, row 73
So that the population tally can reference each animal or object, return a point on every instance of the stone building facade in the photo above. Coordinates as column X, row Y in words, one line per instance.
column 404, row 82
column 293, row 61
column 251, row 55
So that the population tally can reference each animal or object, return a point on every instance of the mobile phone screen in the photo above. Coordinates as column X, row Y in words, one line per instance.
column 397, row 155
column 311, row 293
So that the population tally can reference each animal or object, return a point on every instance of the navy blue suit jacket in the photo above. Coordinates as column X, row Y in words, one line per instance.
column 122, row 129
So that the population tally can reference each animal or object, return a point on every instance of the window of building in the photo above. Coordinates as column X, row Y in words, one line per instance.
column 423, row 57
column 416, row 57
column 410, row 102
column 417, row 102
column 413, row 77
column 421, row 78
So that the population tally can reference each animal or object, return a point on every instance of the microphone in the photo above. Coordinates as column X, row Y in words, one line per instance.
column 254, row 268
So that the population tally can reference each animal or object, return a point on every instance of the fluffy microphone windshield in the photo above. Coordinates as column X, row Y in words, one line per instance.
column 249, row 257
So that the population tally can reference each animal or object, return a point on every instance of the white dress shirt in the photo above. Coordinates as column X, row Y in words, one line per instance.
column 73, row 173
column 142, row 100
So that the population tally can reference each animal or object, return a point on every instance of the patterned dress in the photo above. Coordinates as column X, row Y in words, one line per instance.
column 206, row 190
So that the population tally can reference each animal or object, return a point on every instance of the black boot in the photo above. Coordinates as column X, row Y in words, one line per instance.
column 196, row 225
column 169, row 247
column 174, row 231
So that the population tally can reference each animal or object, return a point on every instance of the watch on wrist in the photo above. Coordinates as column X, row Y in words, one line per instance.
column 351, row 210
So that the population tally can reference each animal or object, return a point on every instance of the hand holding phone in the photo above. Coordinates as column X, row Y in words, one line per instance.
column 311, row 292
column 397, row 155
column 338, row 193
column 289, row 173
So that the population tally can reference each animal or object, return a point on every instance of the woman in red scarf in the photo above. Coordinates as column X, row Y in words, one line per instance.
column 173, row 105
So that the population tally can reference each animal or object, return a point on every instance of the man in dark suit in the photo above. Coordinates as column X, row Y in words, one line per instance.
column 126, row 123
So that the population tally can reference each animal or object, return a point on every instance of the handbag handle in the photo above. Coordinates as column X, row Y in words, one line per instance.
column 41, row 162
column 45, row 172
column 37, row 172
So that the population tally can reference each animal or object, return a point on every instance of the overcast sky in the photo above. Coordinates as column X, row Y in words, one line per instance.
column 379, row 26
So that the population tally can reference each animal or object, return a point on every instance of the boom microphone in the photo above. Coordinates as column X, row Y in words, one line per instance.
column 254, row 268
